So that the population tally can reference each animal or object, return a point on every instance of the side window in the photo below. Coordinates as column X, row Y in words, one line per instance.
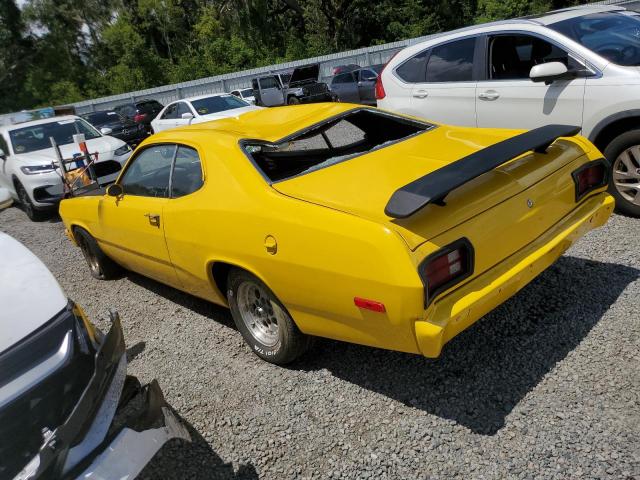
column 413, row 70
column 368, row 75
column 183, row 108
column 148, row 173
column 512, row 56
column 187, row 172
column 268, row 82
column 452, row 62
column 343, row 78
column 170, row 112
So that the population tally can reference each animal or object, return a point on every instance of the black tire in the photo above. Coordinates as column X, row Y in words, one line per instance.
column 613, row 151
column 288, row 342
column 100, row 266
column 293, row 100
column 32, row 212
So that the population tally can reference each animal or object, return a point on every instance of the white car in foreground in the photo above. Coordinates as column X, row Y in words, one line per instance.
column 68, row 409
column 578, row 66
column 27, row 167
column 205, row 108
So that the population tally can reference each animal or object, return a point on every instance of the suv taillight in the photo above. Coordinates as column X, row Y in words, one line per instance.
column 139, row 117
column 589, row 177
column 445, row 268
column 380, row 93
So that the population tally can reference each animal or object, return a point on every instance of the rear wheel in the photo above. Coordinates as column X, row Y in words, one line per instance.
column 100, row 266
column 262, row 320
column 293, row 100
column 27, row 205
column 624, row 183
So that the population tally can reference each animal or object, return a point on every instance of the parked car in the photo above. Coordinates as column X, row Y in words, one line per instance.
column 141, row 112
column 345, row 222
column 112, row 123
column 68, row 409
column 357, row 86
column 27, row 159
column 200, row 109
column 345, row 68
column 577, row 66
column 299, row 86
column 245, row 94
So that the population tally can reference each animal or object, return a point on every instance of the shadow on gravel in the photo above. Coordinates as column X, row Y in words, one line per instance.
column 484, row 372
column 178, row 459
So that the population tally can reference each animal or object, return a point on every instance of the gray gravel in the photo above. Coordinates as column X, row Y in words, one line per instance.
column 546, row 386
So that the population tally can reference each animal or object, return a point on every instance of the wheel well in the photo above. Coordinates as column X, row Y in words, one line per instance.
column 220, row 273
column 615, row 128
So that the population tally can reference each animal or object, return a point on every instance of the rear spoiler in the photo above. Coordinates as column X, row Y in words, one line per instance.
column 435, row 186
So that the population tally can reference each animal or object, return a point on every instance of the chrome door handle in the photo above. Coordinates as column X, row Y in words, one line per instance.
column 154, row 219
column 490, row 95
column 421, row 94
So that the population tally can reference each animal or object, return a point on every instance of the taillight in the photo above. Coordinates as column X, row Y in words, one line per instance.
column 139, row 117
column 446, row 267
column 380, row 93
column 589, row 177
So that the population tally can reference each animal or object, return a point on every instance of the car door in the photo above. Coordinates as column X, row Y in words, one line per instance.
column 367, row 86
column 167, row 119
column 508, row 98
column 270, row 91
column 345, row 86
column 131, row 227
column 443, row 81
column 183, row 107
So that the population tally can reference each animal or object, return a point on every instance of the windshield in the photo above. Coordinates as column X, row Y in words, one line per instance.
column 247, row 92
column 100, row 118
column 36, row 137
column 615, row 36
column 220, row 103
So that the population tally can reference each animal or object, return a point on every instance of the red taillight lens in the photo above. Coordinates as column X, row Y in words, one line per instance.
column 589, row 177
column 369, row 304
column 380, row 93
column 446, row 267
column 139, row 117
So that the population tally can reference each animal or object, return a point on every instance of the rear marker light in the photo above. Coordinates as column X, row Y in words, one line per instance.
column 589, row 177
column 380, row 93
column 446, row 267
column 369, row 305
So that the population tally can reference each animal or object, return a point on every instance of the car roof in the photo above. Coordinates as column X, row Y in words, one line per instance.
column 268, row 124
column 42, row 121
column 573, row 12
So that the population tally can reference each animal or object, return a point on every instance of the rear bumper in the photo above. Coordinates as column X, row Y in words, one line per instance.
column 459, row 309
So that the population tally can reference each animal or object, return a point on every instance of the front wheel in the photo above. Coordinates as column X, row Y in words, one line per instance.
column 293, row 101
column 27, row 205
column 623, row 154
column 100, row 266
column 262, row 320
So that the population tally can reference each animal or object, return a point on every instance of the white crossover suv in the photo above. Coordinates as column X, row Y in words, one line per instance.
column 578, row 66
column 27, row 159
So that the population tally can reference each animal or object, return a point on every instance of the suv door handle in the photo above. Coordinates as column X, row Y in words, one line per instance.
column 489, row 95
column 420, row 94
column 154, row 219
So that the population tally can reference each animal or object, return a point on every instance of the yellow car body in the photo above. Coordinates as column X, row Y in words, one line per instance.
column 321, row 239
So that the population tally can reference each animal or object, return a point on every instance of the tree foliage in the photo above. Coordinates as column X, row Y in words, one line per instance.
column 59, row 51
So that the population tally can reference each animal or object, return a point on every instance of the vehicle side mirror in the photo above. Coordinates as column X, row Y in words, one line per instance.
column 115, row 190
column 187, row 116
column 548, row 72
column 106, row 131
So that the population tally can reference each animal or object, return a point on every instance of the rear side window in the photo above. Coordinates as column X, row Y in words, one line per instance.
column 335, row 140
column 413, row 70
column 343, row 78
column 452, row 62
column 187, row 172
column 148, row 173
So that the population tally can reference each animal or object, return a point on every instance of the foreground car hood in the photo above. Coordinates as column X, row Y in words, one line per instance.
column 104, row 145
column 29, row 294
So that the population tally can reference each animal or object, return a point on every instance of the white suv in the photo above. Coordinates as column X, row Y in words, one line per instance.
column 27, row 159
column 577, row 66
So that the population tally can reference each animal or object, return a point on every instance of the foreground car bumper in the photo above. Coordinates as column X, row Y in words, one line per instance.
column 114, row 416
column 458, row 310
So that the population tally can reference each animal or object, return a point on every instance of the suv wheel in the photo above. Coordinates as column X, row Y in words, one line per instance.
column 262, row 320
column 293, row 100
column 27, row 205
column 624, row 183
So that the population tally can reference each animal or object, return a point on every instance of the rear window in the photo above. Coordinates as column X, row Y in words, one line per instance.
column 334, row 141
column 100, row 118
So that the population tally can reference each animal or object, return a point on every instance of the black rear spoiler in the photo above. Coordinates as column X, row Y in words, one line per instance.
column 435, row 186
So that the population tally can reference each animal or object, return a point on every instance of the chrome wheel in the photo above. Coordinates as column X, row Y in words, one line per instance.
column 626, row 174
column 260, row 314
column 89, row 255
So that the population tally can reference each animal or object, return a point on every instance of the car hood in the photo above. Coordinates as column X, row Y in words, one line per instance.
column 103, row 145
column 29, row 294
column 304, row 74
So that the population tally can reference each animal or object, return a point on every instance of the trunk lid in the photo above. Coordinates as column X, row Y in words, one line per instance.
column 363, row 185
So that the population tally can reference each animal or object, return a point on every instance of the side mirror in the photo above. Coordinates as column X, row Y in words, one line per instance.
column 548, row 72
column 187, row 116
column 106, row 131
column 115, row 190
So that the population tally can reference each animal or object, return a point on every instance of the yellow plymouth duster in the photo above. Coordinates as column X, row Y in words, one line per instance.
column 344, row 221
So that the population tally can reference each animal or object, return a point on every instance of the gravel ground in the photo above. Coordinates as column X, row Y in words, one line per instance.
column 546, row 386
